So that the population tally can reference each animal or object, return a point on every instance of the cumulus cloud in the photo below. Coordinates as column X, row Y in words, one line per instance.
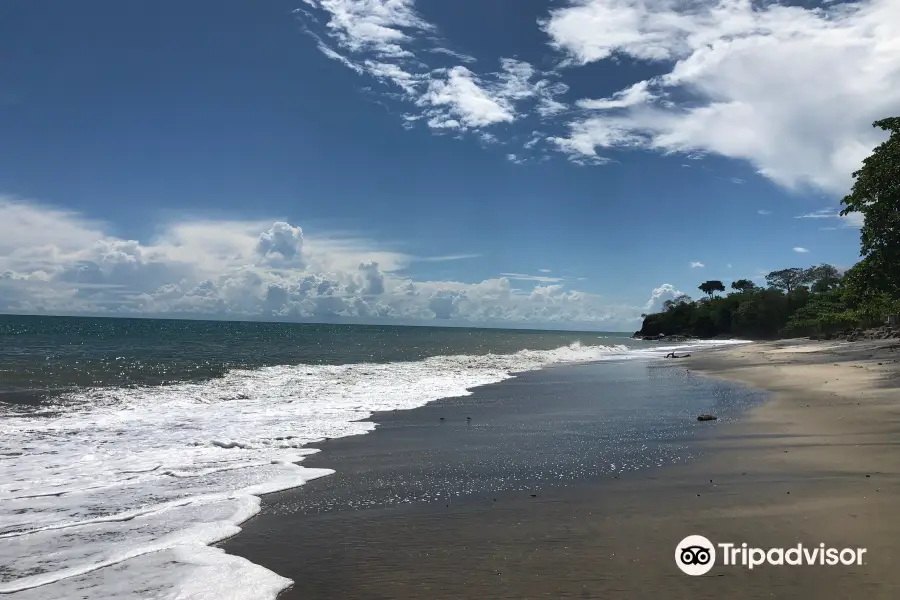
column 372, row 278
column 658, row 298
column 764, row 212
column 800, row 250
column 54, row 261
column 696, row 265
column 789, row 89
column 281, row 241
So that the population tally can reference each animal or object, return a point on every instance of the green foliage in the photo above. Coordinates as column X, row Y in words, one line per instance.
column 823, row 278
column 682, row 299
column 815, row 300
column 711, row 287
column 788, row 279
column 825, row 313
column 744, row 286
column 876, row 194
column 764, row 313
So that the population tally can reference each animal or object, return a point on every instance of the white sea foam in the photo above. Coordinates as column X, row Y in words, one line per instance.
column 120, row 493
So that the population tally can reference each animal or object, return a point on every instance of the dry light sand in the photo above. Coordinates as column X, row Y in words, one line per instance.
column 824, row 457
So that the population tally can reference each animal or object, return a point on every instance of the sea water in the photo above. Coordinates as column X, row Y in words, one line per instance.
column 128, row 447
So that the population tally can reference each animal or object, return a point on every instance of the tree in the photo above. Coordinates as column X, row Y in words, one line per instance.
column 788, row 279
column 743, row 285
column 711, row 287
column 682, row 299
column 823, row 278
column 876, row 194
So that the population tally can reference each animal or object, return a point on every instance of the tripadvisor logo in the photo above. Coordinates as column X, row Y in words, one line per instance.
column 696, row 555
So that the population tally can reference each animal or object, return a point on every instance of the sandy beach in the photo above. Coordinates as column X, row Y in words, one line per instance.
column 816, row 463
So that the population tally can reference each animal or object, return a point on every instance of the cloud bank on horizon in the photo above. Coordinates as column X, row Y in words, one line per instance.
column 55, row 261
column 791, row 90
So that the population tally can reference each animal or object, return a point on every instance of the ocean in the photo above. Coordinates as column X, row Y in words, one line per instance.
column 130, row 446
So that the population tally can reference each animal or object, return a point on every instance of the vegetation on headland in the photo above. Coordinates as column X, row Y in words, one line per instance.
column 814, row 301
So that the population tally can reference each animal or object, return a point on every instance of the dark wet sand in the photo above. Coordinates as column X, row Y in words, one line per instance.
column 786, row 473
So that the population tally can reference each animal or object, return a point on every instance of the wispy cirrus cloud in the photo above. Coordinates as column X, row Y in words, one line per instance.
column 792, row 90
column 391, row 42
column 854, row 219
column 538, row 278
column 447, row 258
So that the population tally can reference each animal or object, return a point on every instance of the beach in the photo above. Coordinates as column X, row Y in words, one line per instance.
column 816, row 462
column 126, row 460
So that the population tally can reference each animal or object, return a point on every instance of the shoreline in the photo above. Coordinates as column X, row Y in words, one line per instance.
column 785, row 473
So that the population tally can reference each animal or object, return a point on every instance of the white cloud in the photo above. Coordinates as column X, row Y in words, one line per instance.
column 544, row 271
column 659, row 296
column 696, row 265
column 791, row 90
column 449, row 257
column 764, row 212
column 330, row 53
column 854, row 219
column 27, row 225
column 382, row 26
column 53, row 261
column 465, row 100
column 391, row 42
column 282, row 241
column 534, row 140
column 526, row 277
column 638, row 93
column 800, row 250
column 457, row 55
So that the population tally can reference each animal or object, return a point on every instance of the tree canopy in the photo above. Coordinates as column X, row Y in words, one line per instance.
column 786, row 307
column 820, row 299
column 823, row 278
column 711, row 287
column 788, row 279
column 876, row 195
column 743, row 285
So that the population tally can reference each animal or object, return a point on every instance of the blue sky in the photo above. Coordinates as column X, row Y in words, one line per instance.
column 548, row 163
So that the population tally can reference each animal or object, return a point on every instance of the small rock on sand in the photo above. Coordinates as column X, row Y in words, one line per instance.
column 707, row 418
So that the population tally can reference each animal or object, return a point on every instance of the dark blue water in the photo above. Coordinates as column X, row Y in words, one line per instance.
column 40, row 355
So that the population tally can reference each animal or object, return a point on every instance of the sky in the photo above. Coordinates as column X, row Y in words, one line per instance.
column 543, row 163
